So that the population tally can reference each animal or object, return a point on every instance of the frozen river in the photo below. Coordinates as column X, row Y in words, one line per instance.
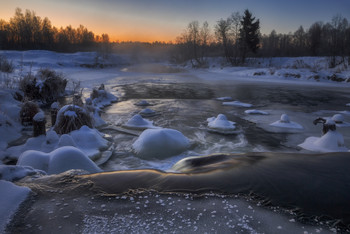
column 76, row 204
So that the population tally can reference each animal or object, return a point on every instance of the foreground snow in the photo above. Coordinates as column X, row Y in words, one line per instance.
column 11, row 198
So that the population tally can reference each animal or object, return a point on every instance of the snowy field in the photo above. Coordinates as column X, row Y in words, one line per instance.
column 165, row 113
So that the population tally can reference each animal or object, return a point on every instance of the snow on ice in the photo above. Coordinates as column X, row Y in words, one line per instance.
column 285, row 122
column 221, row 124
column 237, row 103
column 255, row 112
column 137, row 122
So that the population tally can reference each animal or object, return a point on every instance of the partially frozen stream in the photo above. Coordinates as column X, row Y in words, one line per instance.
column 186, row 107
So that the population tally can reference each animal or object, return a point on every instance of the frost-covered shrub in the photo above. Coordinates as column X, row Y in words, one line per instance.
column 46, row 86
column 72, row 117
column 6, row 65
column 28, row 111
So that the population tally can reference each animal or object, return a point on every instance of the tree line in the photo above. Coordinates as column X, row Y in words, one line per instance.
column 27, row 31
column 238, row 36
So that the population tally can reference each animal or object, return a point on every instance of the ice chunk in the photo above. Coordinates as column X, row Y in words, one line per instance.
column 224, row 99
column 285, row 122
column 160, row 143
column 137, row 122
column 237, row 103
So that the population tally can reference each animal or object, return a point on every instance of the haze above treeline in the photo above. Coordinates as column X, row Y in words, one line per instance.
column 27, row 31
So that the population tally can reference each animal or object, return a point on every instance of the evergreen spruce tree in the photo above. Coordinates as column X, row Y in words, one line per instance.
column 249, row 35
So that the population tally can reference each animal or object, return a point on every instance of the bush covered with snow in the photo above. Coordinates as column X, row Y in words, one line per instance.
column 57, row 161
column 28, row 111
column 160, row 143
column 46, row 86
column 70, row 118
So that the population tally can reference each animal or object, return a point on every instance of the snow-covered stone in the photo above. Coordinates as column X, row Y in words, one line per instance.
column 57, row 161
column 147, row 112
column 137, row 122
column 220, row 124
column 142, row 103
column 38, row 117
column 285, row 122
column 332, row 141
column 237, row 103
column 255, row 112
column 160, row 143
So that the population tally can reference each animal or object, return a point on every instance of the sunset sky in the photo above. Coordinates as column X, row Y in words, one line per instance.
column 163, row 20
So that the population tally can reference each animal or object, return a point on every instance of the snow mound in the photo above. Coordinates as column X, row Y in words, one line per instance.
column 332, row 141
column 285, row 122
column 224, row 99
column 147, row 112
column 11, row 197
column 160, row 143
column 220, row 124
column 143, row 103
column 59, row 160
column 255, row 112
column 90, row 141
column 137, row 122
column 237, row 103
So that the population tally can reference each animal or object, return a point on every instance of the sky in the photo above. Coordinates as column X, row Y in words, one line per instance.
column 164, row 20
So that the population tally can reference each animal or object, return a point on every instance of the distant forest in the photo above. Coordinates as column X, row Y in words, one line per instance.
column 27, row 31
column 234, row 38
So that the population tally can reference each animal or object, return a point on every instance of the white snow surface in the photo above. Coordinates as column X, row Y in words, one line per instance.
column 11, row 197
column 160, row 143
column 237, row 103
column 137, row 122
column 58, row 161
column 332, row 141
